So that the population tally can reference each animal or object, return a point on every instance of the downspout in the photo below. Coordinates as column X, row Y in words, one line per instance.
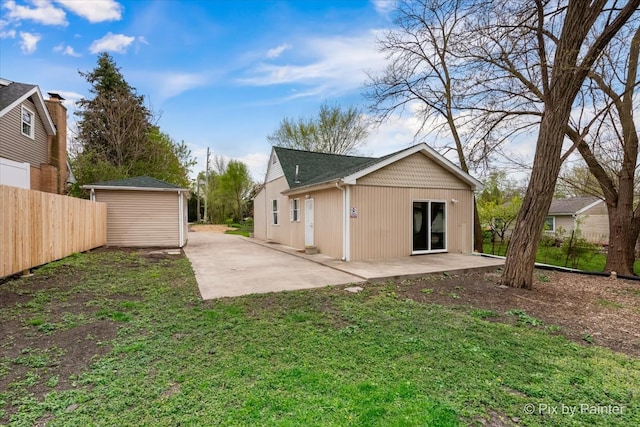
column 180, row 219
column 344, row 221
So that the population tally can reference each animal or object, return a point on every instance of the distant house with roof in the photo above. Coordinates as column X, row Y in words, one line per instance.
column 33, row 139
column 588, row 214
column 410, row 202
column 143, row 212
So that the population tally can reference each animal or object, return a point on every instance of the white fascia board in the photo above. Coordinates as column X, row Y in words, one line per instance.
column 431, row 153
column 589, row 206
column 42, row 109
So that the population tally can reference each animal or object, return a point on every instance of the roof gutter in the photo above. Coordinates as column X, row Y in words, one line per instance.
column 344, row 221
column 311, row 187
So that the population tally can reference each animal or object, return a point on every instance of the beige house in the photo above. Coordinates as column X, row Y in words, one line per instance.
column 143, row 212
column 410, row 202
column 33, row 139
column 588, row 214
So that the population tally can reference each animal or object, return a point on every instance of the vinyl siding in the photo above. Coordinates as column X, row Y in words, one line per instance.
column 141, row 218
column 259, row 216
column 280, row 233
column 595, row 228
column 275, row 169
column 327, row 212
column 384, row 229
column 566, row 222
column 17, row 147
column 416, row 171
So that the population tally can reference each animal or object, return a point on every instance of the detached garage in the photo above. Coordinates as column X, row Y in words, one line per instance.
column 143, row 212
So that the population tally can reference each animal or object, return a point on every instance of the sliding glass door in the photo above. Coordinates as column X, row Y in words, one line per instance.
column 429, row 227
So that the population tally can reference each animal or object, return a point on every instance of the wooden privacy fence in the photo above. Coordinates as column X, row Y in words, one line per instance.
column 37, row 228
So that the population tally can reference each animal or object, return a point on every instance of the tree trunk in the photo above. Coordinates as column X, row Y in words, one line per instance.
column 521, row 253
column 624, row 228
column 478, row 236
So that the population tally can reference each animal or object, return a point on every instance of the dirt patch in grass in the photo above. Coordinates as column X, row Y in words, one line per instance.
column 586, row 309
column 211, row 228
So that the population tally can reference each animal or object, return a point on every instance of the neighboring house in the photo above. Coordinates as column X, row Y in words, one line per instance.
column 143, row 212
column 33, row 139
column 410, row 202
column 588, row 214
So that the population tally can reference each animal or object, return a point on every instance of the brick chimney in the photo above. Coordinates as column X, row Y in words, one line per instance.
column 58, row 147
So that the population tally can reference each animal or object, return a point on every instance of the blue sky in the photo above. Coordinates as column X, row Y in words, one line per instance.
column 219, row 74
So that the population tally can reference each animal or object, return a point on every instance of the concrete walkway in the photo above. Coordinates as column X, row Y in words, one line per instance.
column 228, row 265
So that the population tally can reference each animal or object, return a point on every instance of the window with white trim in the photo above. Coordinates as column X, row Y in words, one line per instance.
column 550, row 224
column 294, row 210
column 27, row 120
column 274, row 212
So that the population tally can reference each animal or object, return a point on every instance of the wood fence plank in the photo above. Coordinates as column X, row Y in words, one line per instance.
column 37, row 228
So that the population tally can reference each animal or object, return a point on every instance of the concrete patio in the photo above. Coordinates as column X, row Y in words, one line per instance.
column 399, row 268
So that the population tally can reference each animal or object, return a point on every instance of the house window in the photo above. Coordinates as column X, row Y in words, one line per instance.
column 274, row 211
column 550, row 224
column 294, row 213
column 27, row 122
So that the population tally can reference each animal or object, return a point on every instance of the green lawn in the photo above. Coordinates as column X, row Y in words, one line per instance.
column 593, row 261
column 323, row 357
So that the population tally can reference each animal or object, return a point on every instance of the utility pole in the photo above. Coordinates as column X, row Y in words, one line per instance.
column 206, row 188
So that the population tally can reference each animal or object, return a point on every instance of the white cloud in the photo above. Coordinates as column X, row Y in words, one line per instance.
column 257, row 164
column 112, row 43
column 384, row 7
column 94, row 10
column 174, row 83
column 277, row 51
column 43, row 12
column 66, row 50
column 339, row 64
column 29, row 42
column 10, row 34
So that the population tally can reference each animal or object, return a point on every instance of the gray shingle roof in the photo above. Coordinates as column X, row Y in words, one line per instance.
column 316, row 168
column 12, row 92
column 138, row 181
column 570, row 206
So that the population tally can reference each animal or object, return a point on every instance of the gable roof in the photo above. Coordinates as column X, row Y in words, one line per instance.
column 572, row 205
column 13, row 94
column 315, row 167
column 136, row 183
column 321, row 168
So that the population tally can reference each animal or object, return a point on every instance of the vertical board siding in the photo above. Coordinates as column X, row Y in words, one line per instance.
column 383, row 228
column 37, row 228
column 17, row 147
column 280, row 233
column 141, row 218
column 259, row 217
column 328, row 213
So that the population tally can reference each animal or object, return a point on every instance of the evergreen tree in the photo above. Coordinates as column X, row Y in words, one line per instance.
column 116, row 138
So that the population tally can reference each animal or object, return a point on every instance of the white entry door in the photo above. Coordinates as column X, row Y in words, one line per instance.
column 308, row 222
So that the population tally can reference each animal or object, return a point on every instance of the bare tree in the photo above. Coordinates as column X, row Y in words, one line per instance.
column 334, row 130
column 608, row 143
column 424, row 71
column 541, row 54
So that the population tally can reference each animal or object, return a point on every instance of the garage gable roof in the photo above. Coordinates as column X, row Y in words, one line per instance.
column 321, row 168
column 141, row 183
column 13, row 94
